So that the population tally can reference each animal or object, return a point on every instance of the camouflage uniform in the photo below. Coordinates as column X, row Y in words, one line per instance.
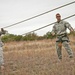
column 60, row 30
column 1, row 49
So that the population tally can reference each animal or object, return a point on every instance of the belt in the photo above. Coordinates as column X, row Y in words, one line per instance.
column 61, row 36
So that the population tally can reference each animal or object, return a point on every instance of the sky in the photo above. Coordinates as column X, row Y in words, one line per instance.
column 12, row 11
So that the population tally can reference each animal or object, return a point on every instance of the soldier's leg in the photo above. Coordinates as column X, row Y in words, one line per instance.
column 1, row 61
column 2, row 70
column 58, row 48
column 68, row 48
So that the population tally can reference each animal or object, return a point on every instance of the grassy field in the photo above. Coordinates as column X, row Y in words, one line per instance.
column 37, row 58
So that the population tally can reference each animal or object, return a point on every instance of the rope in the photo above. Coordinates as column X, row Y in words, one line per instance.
column 38, row 15
column 48, row 25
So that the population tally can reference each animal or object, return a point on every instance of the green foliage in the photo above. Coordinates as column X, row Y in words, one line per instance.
column 11, row 37
column 18, row 38
column 48, row 35
column 30, row 36
column 72, row 33
column 27, row 37
column 7, row 38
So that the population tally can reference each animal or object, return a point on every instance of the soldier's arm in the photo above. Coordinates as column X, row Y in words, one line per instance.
column 53, row 31
column 69, row 27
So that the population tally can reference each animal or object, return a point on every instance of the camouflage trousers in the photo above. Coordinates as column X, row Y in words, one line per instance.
column 67, row 47
column 1, row 56
column 1, row 59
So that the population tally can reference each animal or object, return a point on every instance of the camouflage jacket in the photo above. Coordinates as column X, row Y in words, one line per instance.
column 1, row 43
column 60, row 28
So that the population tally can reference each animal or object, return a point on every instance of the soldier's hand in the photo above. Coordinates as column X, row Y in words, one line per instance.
column 3, row 31
column 2, row 67
column 53, row 34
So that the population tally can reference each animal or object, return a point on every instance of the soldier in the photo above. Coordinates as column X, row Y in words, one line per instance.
column 59, row 29
column 1, row 53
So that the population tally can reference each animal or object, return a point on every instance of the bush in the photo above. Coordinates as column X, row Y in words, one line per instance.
column 27, row 37
column 48, row 35
column 30, row 36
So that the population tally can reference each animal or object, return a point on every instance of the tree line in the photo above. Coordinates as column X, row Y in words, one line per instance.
column 28, row 37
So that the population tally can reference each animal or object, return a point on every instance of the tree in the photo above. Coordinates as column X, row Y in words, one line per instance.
column 48, row 35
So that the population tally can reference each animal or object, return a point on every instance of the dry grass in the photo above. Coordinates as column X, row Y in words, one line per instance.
column 37, row 58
